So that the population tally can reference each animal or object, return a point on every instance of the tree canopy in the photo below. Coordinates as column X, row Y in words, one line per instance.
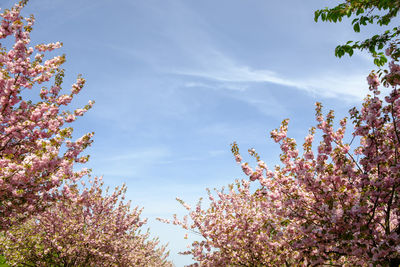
column 364, row 12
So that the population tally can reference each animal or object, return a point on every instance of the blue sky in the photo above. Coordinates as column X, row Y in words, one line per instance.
column 177, row 81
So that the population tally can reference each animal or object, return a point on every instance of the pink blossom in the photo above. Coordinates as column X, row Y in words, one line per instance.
column 246, row 169
column 31, row 131
column 85, row 227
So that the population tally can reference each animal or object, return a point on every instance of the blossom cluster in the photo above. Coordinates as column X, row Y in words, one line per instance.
column 85, row 228
column 32, row 135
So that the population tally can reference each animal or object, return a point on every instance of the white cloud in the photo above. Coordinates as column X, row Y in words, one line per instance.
column 197, row 53
column 233, row 87
column 228, row 74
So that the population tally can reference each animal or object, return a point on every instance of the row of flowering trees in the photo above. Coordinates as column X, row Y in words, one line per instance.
column 45, row 220
column 336, row 203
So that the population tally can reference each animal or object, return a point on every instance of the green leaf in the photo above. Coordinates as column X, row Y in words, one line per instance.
column 372, row 49
column 356, row 27
column 359, row 11
column 316, row 15
column 383, row 60
column 339, row 52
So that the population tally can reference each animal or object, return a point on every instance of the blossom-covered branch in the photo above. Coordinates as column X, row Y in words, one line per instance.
column 33, row 136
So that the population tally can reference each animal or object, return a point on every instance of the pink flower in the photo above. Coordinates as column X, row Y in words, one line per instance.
column 246, row 169
column 238, row 158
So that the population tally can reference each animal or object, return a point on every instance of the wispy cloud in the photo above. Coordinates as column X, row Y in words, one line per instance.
column 234, row 87
column 228, row 74
column 198, row 53
column 214, row 65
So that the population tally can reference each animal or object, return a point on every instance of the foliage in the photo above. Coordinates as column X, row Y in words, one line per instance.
column 32, row 136
column 366, row 12
column 337, row 204
column 3, row 262
column 89, row 228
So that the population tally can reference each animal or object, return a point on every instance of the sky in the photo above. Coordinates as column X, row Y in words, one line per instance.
column 177, row 81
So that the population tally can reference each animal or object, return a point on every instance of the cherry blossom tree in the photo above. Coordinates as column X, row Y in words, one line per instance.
column 336, row 204
column 87, row 228
column 36, row 151
column 238, row 229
